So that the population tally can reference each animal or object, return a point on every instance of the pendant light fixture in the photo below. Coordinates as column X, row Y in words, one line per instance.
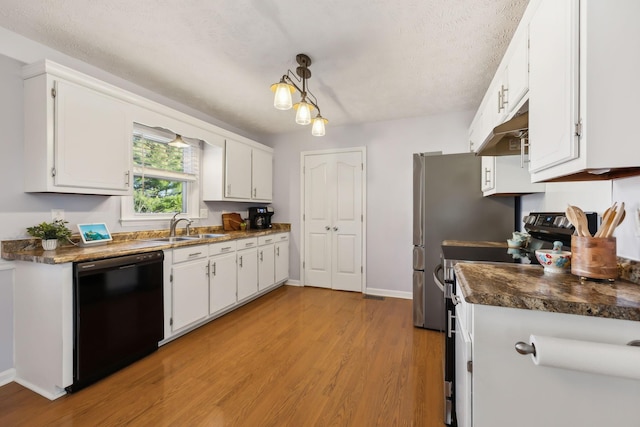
column 286, row 87
column 178, row 142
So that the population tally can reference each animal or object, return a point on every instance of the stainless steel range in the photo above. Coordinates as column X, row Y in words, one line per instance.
column 544, row 228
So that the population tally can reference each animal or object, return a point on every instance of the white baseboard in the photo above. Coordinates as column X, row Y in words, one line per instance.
column 290, row 282
column 7, row 376
column 389, row 293
column 42, row 392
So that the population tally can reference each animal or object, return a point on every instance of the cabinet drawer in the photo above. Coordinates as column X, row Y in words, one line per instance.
column 247, row 243
column 281, row 237
column 267, row 240
column 222, row 247
column 190, row 253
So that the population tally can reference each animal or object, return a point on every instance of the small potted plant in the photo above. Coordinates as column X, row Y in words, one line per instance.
column 50, row 233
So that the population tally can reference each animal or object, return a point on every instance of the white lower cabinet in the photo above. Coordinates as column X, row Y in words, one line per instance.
column 222, row 276
column 247, row 268
column 508, row 389
column 282, row 257
column 266, row 262
column 189, row 286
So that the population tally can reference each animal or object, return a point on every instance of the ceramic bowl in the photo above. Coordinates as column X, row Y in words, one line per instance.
column 554, row 261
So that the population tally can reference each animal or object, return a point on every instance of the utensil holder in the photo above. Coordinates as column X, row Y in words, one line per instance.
column 594, row 257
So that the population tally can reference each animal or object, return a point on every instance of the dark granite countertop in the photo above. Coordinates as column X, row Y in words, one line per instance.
column 529, row 287
column 123, row 244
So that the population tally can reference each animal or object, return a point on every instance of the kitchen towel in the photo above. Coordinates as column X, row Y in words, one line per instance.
column 598, row 358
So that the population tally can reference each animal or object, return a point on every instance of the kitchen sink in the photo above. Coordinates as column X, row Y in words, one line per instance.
column 175, row 239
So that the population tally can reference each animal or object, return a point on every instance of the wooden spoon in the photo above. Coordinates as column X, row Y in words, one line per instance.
column 582, row 223
column 616, row 221
column 606, row 217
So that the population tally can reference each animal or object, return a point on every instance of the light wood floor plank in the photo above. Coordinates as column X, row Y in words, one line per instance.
column 295, row 357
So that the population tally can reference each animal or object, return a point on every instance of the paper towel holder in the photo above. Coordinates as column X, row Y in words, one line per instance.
column 524, row 348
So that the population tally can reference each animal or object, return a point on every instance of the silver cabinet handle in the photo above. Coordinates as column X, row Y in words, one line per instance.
column 487, row 179
column 240, row 260
column 261, row 256
column 335, row 228
column 278, row 251
column 524, row 348
column 254, row 192
column 326, row 227
column 207, row 269
column 227, row 248
column 214, row 268
column 195, row 254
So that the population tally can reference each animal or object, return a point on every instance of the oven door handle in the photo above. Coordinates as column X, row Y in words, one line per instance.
column 436, row 277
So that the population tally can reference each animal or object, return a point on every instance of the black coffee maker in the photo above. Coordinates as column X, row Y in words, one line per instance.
column 260, row 218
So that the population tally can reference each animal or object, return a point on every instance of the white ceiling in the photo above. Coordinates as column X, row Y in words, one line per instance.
column 371, row 59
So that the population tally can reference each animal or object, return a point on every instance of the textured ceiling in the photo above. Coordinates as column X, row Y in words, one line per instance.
column 372, row 59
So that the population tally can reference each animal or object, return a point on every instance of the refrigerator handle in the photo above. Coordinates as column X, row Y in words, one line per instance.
column 436, row 277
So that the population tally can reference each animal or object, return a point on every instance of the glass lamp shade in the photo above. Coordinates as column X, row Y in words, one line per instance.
column 282, row 99
column 303, row 113
column 318, row 125
column 178, row 142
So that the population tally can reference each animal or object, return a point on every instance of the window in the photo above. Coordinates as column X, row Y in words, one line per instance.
column 165, row 178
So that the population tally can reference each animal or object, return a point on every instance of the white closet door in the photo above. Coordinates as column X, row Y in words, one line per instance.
column 317, row 220
column 347, row 223
column 333, row 203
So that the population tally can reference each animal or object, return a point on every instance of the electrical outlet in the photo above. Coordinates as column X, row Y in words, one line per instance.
column 57, row 214
column 204, row 213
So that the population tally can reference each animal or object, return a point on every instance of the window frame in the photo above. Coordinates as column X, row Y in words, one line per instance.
column 191, row 197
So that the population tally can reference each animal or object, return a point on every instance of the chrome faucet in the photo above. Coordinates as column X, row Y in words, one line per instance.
column 174, row 222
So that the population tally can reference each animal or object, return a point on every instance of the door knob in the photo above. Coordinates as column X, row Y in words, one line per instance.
column 335, row 228
column 327, row 228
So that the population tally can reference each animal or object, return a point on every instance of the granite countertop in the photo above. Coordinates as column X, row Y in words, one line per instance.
column 123, row 244
column 529, row 287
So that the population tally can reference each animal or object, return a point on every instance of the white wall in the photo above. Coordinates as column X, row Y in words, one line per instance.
column 390, row 146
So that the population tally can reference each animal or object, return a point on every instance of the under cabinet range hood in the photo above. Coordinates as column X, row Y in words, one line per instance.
column 508, row 138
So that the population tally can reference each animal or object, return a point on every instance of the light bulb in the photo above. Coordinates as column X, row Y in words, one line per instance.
column 318, row 125
column 282, row 99
column 303, row 115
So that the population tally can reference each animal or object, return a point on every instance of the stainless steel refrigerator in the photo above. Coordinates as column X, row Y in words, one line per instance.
column 448, row 205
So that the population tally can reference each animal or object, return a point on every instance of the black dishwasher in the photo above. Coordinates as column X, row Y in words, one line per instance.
column 118, row 314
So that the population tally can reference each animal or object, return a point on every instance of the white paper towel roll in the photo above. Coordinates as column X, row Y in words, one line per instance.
column 598, row 358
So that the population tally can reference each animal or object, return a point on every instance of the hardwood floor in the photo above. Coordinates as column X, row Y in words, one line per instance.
column 295, row 357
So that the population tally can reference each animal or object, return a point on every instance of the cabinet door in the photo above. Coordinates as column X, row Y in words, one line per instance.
column 262, row 175
column 282, row 261
column 488, row 173
column 222, row 283
column 247, row 273
column 237, row 170
column 518, row 73
column 92, row 139
column 190, row 293
column 266, row 266
column 463, row 376
column 553, row 84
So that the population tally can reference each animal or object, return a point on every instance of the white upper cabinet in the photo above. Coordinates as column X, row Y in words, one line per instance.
column 248, row 172
column 507, row 176
column 262, row 175
column 583, row 89
column 506, row 97
column 77, row 136
column 237, row 170
column 517, row 74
